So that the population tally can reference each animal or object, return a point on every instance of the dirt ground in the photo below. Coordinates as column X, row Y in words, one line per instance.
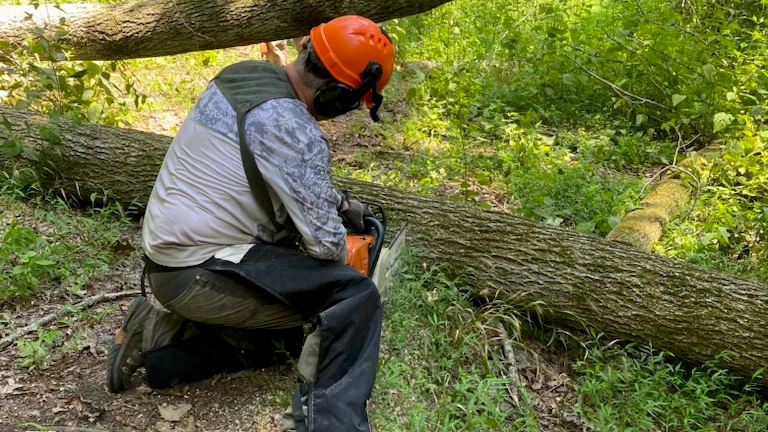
column 69, row 393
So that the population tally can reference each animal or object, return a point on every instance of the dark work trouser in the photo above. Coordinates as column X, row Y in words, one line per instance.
column 268, row 287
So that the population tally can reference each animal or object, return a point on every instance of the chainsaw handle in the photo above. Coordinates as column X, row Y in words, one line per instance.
column 374, row 225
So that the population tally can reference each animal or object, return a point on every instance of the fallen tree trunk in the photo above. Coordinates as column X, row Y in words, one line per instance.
column 580, row 280
column 147, row 28
column 642, row 227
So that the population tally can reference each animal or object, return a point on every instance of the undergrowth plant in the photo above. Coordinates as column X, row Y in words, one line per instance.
column 437, row 368
column 562, row 111
column 636, row 388
column 35, row 353
column 58, row 250
column 38, row 74
column 728, row 224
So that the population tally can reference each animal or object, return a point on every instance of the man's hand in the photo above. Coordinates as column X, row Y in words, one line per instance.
column 354, row 214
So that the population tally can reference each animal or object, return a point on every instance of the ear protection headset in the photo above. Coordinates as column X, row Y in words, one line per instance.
column 335, row 98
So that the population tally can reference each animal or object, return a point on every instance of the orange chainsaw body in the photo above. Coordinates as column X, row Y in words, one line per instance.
column 358, row 251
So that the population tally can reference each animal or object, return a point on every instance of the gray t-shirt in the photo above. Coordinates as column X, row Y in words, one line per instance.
column 202, row 203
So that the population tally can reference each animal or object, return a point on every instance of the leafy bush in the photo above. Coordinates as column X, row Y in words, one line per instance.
column 26, row 261
column 728, row 227
column 37, row 74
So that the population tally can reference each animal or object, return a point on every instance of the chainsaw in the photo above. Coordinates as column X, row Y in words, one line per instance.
column 364, row 249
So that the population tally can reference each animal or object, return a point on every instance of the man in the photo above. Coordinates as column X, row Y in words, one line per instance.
column 276, row 51
column 248, row 169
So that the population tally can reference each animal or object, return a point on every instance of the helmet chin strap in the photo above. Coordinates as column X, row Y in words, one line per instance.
column 377, row 100
column 370, row 75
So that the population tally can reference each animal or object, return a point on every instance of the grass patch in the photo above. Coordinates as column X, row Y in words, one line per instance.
column 53, row 247
column 439, row 371
column 435, row 371
column 635, row 388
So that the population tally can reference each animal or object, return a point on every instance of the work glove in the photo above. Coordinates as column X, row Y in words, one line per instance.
column 353, row 217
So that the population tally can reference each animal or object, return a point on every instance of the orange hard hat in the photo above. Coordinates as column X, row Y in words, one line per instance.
column 347, row 44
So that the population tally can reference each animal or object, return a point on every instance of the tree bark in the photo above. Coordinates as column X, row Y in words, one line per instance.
column 149, row 28
column 578, row 280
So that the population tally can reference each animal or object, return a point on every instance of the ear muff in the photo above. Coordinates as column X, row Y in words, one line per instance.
column 334, row 98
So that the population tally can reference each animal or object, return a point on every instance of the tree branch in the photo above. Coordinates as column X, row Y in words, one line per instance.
column 620, row 91
column 89, row 302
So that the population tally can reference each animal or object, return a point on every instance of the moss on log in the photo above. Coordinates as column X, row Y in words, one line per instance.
column 642, row 227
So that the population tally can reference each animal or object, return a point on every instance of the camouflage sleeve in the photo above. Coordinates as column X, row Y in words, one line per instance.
column 292, row 154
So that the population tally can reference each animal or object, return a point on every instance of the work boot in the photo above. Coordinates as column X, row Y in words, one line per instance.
column 124, row 356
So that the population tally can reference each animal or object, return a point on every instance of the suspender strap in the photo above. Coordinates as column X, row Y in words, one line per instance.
column 255, row 179
column 247, row 85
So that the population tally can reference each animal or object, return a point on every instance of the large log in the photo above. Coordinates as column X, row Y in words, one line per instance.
column 151, row 28
column 579, row 280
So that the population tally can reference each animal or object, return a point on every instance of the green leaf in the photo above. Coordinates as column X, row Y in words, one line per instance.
column 88, row 94
column 676, row 99
column 7, row 123
column 10, row 149
column 31, row 154
column 709, row 72
column 613, row 221
column 640, row 119
column 585, row 227
column 94, row 112
column 50, row 132
column 79, row 74
column 482, row 179
column 722, row 120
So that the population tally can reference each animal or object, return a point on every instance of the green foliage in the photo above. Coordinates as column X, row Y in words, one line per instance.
column 646, row 64
column 622, row 150
column 56, row 249
column 628, row 86
column 436, row 371
column 728, row 226
column 636, row 388
column 700, row 63
column 35, row 353
column 26, row 261
column 37, row 74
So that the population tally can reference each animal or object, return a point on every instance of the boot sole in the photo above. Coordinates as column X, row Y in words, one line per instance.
column 117, row 381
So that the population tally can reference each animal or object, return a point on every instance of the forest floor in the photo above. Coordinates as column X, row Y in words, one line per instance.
column 68, row 392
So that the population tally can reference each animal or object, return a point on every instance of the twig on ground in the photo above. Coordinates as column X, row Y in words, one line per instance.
column 67, row 429
column 511, row 370
column 90, row 301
